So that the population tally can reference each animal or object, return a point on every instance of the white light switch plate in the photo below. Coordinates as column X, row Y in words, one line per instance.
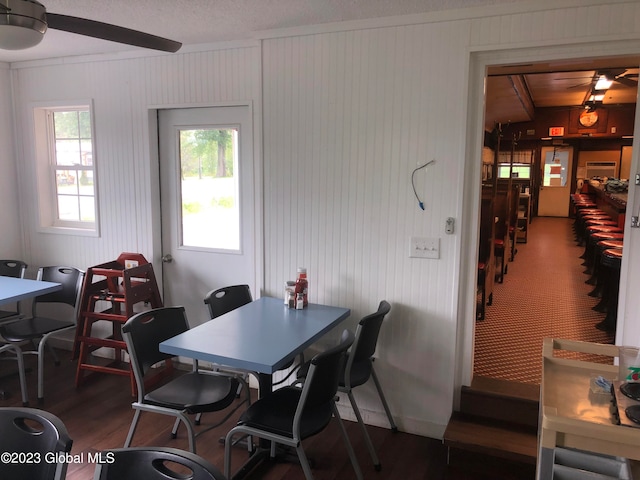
column 425, row 247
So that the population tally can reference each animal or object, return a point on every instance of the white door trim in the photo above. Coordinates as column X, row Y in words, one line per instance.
column 258, row 175
column 478, row 63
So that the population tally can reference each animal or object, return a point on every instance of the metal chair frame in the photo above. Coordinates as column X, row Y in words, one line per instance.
column 318, row 394
column 142, row 334
column 361, row 352
column 37, row 329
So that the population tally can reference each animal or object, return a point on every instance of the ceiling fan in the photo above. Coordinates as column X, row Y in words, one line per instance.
column 24, row 22
column 618, row 75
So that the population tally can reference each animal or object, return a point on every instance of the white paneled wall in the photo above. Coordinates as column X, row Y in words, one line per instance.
column 10, row 245
column 347, row 117
column 342, row 120
column 123, row 93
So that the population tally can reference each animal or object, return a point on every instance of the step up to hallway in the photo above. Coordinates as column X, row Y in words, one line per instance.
column 496, row 425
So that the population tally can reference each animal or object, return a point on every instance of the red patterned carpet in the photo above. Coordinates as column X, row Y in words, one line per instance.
column 543, row 295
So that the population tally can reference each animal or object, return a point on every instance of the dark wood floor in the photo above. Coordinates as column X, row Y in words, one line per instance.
column 98, row 414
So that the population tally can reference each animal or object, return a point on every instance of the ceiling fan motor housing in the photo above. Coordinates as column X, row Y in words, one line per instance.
column 22, row 24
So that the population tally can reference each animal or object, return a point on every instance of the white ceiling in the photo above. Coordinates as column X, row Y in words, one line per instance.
column 206, row 21
column 194, row 22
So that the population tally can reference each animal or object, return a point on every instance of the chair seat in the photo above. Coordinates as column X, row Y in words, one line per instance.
column 8, row 314
column 31, row 328
column 273, row 414
column 604, row 228
column 192, row 392
column 604, row 244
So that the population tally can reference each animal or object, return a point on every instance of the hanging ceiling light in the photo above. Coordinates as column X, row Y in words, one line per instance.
column 603, row 83
column 22, row 24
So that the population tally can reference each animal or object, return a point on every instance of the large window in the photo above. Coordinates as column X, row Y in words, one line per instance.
column 66, row 180
column 209, row 188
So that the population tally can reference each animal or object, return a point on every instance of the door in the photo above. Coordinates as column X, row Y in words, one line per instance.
column 555, row 188
column 207, row 203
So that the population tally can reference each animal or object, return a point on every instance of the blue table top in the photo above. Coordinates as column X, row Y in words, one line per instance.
column 261, row 336
column 16, row 289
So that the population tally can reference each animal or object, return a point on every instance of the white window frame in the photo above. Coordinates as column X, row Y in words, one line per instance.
column 46, row 167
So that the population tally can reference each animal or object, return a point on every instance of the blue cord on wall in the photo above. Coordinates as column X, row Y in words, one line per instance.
column 413, row 184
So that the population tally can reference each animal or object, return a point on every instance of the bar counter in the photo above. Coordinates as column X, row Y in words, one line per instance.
column 615, row 204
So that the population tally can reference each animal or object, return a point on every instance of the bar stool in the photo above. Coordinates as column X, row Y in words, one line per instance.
column 582, row 216
column 590, row 220
column 586, row 221
column 591, row 223
column 593, row 256
column 610, row 261
column 603, row 280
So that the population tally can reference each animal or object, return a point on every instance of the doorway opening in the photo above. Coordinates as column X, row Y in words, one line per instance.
column 561, row 150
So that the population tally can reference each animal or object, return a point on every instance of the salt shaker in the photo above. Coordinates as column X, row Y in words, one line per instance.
column 300, row 301
column 289, row 288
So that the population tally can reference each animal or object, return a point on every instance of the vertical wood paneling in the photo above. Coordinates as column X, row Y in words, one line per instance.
column 355, row 111
column 346, row 117
column 122, row 92
column 11, row 245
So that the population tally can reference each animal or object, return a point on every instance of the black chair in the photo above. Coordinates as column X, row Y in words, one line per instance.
column 16, row 350
column 39, row 441
column 38, row 329
column 290, row 414
column 223, row 300
column 359, row 368
column 193, row 392
column 15, row 269
column 226, row 299
column 140, row 463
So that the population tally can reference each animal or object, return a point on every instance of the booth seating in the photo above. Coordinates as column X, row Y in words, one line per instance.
column 486, row 258
column 499, row 253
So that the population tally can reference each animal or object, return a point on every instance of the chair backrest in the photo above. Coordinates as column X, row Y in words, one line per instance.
column 38, row 436
column 323, row 378
column 12, row 268
column 225, row 299
column 71, row 280
column 143, row 334
column 367, row 332
column 158, row 463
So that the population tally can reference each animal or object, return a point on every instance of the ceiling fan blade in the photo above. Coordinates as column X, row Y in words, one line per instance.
column 580, row 85
column 572, row 78
column 114, row 33
column 625, row 80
